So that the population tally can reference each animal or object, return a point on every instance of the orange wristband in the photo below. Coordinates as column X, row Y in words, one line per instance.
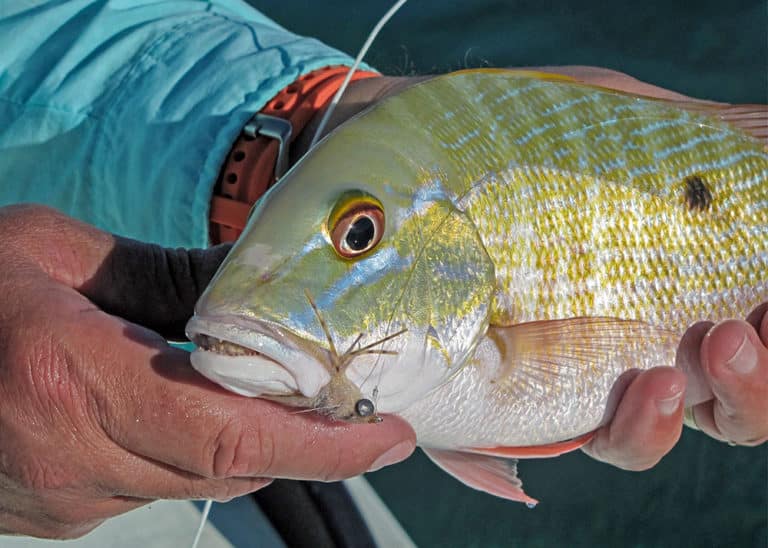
column 249, row 169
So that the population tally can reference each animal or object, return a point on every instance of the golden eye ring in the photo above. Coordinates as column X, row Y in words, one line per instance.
column 356, row 226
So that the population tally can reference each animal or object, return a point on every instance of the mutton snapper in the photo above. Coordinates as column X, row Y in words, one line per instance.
column 484, row 254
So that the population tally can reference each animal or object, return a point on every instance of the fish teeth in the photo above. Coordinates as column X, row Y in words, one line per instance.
column 225, row 348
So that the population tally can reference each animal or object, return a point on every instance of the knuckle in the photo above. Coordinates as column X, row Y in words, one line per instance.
column 222, row 490
column 748, row 437
column 240, row 451
column 67, row 516
column 633, row 460
column 48, row 369
column 626, row 454
column 737, row 427
column 266, row 451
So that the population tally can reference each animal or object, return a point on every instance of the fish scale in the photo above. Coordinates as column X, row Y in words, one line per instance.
column 590, row 241
column 611, row 216
column 604, row 232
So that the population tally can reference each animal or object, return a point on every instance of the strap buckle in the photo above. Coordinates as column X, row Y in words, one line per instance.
column 276, row 128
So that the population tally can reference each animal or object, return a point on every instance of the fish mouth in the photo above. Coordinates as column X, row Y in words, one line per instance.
column 254, row 358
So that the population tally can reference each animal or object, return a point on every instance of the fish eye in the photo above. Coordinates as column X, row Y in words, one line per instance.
column 356, row 225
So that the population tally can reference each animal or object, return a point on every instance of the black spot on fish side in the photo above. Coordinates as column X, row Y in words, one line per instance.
column 698, row 197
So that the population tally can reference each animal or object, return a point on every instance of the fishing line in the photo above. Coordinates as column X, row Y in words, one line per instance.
column 366, row 46
column 203, row 519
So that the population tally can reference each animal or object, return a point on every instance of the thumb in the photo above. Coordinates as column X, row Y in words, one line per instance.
column 147, row 284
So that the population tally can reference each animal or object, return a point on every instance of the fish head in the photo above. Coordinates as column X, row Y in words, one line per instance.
column 357, row 284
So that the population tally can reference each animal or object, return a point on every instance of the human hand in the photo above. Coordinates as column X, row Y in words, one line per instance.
column 727, row 369
column 100, row 415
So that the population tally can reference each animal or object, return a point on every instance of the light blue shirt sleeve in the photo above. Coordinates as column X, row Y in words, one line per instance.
column 121, row 112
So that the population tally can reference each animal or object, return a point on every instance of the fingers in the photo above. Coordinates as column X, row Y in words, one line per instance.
column 734, row 359
column 758, row 319
column 169, row 413
column 764, row 329
column 688, row 360
column 647, row 422
column 119, row 275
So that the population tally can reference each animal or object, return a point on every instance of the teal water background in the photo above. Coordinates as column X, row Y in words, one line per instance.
column 703, row 494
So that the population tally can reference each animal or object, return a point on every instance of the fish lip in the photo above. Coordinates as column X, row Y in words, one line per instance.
column 267, row 339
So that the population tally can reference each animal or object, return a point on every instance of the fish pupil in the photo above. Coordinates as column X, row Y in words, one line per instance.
column 360, row 234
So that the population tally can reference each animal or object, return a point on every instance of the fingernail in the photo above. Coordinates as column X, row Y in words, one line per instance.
column 669, row 406
column 399, row 452
column 745, row 358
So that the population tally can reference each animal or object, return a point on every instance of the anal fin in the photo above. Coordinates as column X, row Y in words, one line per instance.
column 536, row 451
column 496, row 476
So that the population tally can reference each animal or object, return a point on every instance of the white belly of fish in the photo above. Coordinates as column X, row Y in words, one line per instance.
column 474, row 410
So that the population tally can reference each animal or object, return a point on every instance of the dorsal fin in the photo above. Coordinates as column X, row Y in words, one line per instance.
column 524, row 73
column 752, row 119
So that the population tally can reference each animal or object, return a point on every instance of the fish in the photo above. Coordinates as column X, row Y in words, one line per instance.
column 485, row 254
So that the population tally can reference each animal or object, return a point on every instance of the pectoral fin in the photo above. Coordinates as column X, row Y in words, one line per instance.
column 545, row 359
column 493, row 475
